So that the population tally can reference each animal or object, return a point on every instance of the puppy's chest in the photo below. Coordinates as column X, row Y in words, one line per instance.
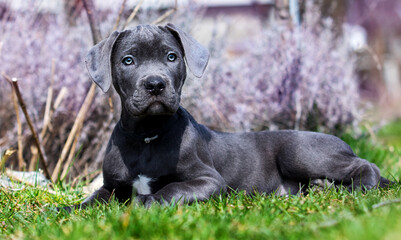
column 141, row 184
column 150, row 168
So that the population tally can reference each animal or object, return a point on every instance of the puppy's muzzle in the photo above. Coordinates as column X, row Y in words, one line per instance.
column 155, row 85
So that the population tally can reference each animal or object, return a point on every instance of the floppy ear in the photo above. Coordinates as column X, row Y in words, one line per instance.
column 195, row 54
column 98, row 61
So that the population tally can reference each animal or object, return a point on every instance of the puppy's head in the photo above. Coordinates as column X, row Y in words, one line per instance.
column 146, row 66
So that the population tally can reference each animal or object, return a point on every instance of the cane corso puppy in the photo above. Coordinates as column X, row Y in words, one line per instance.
column 159, row 153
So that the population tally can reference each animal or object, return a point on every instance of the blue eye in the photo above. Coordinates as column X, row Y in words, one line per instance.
column 171, row 57
column 128, row 60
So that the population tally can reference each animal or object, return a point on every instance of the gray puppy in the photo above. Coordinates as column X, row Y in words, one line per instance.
column 160, row 153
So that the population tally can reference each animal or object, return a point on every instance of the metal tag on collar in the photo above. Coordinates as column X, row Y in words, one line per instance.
column 148, row 139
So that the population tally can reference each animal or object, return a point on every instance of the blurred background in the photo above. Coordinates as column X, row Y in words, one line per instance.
column 330, row 66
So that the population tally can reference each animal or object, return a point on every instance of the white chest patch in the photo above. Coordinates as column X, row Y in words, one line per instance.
column 141, row 185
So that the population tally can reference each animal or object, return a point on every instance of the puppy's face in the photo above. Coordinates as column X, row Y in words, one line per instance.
column 146, row 66
column 148, row 70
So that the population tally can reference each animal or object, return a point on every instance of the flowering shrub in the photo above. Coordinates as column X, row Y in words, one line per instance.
column 288, row 78
column 30, row 42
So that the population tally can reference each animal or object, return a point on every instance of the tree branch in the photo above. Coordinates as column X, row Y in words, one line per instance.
column 133, row 14
column 21, row 101
column 166, row 14
column 93, row 21
column 75, row 131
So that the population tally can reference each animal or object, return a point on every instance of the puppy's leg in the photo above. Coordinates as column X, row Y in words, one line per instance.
column 103, row 195
column 198, row 189
column 364, row 176
column 311, row 156
column 367, row 176
column 384, row 182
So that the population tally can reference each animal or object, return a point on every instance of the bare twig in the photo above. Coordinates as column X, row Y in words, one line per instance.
column 385, row 203
column 166, row 14
column 4, row 158
column 24, row 181
column 46, row 118
column 47, row 115
column 86, row 170
column 45, row 138
column 89, row 177
column 34, row 158
column 60, row 97
column 70, row 156
column 133, row 14
column 75, row 131
column 120, row 12
column 21, row 162
column 42, row 155
column 93, row 21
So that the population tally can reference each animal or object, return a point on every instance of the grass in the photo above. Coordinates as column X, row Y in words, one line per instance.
column 391, row 134
column 30, row 213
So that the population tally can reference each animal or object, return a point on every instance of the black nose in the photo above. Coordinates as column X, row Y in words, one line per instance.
column 155, row 85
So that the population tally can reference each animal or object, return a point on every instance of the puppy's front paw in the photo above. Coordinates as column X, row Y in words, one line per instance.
column 359, row 188
column 146, row 200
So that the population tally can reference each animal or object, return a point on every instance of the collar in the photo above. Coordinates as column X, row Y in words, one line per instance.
column 154, row 134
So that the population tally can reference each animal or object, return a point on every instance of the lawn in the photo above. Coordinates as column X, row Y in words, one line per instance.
column 30, row 213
